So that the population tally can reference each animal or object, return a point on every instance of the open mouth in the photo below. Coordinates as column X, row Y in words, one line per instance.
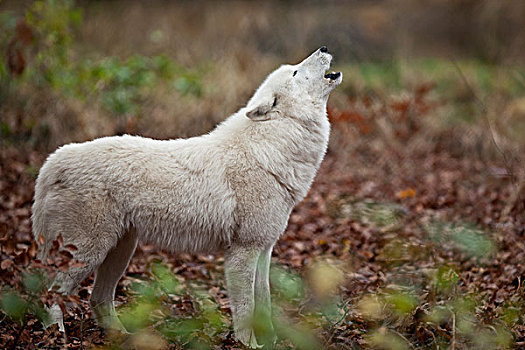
column 333, row 78
column 333, row 75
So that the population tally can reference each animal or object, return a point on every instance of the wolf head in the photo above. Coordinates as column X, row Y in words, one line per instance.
column 292, row 87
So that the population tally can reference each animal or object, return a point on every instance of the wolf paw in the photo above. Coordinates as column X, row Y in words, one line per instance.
column 112, row 323
column 270, row 341
column 106, row 317
column 247, row 337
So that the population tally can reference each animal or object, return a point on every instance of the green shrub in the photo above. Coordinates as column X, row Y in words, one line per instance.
column 118, row 85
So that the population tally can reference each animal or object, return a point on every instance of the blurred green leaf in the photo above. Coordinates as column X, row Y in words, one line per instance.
column 13, row 305
column 512, row 315
column 446, row 279
column 138, row 315
column 289, row 286
column 164, row 66
column 402, row 303
column 465, row 237
column 189, row 83
column 167, row 280
column 439, row 314
column 385, row 339
column 4, row 129
column 472, row 242
column 34, row 282
column 300, row 336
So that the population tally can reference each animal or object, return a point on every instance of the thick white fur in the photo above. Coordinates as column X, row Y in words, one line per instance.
column 231, row 190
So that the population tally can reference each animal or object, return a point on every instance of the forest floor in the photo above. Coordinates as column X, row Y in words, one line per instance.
column 429, row 231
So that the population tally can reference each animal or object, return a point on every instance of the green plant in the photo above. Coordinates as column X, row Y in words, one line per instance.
column 118, row 85
column 54, row 22
column 466, row 238
column 16, row 304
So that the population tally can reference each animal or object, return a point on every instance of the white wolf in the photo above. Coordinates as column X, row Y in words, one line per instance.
column 231, row 190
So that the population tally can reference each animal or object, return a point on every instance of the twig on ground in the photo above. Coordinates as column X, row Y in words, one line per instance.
column 404, row 338
column 19, row 333
column 81, row 329
column 334, row 324
column 453, row 330
column 435, row 340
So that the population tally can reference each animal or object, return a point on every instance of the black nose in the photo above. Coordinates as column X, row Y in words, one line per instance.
column 323, row 49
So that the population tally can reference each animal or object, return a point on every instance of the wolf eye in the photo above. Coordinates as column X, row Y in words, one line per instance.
column 294, row 73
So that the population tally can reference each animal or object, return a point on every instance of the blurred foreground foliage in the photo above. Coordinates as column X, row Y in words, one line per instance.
column 163, row 308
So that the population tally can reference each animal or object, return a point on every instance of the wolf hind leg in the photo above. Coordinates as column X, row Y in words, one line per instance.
column 90, row 253
column 106, row 279
column 65, row 282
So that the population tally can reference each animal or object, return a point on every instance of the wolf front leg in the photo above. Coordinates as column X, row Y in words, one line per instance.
column 240, row 267
column 263, row 304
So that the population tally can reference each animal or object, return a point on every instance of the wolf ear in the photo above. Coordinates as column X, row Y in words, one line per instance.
column 263, row 110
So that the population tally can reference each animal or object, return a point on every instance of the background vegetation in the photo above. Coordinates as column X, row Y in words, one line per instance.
column 413, row 234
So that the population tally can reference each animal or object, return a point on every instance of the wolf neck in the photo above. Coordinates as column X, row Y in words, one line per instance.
column 290, row 149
